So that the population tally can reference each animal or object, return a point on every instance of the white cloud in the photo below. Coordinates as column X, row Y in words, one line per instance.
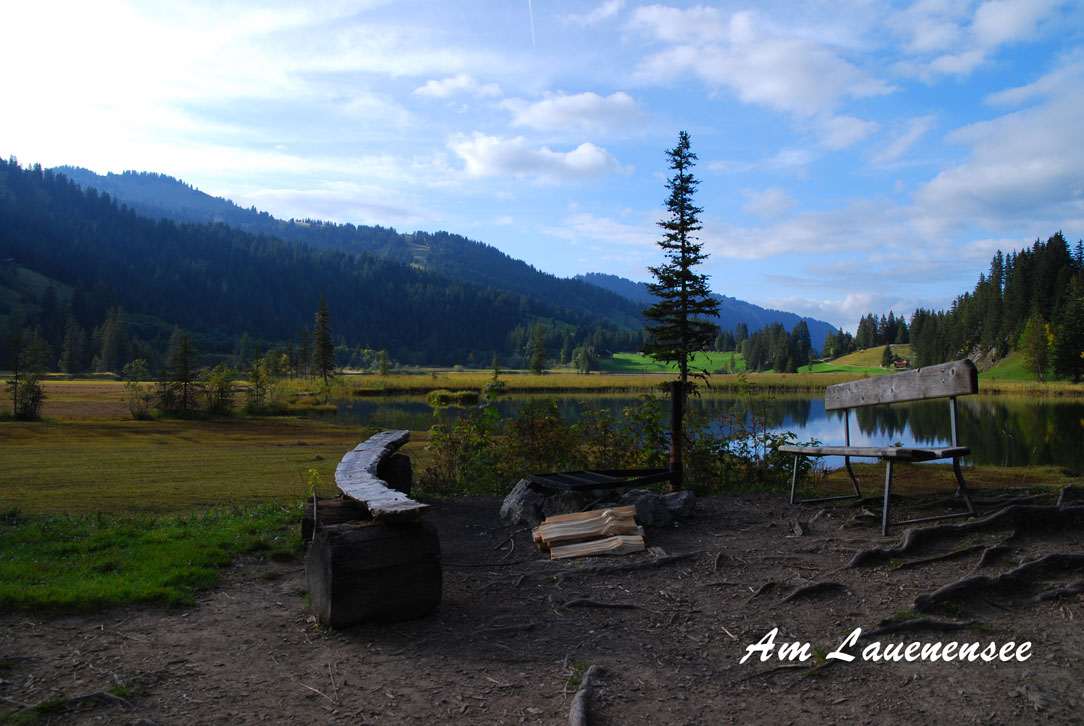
column 456, row 85
column 605, row 11
column 787, row 73
column 768, row 203
column 593, row 227
column 841, row 132
column 1006, row 21
column 336, row 201
column 495, row 156
column 581, row 111
column 903, row 140
column 946, row 44
column 1024, row 168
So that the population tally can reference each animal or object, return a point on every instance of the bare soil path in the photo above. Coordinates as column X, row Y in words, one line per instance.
column 515, row 633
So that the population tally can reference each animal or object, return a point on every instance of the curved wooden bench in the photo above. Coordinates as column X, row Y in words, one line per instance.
column 386, row 567
column 356, row 477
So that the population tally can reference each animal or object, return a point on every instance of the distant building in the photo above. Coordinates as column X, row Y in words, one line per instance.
column 901, row 364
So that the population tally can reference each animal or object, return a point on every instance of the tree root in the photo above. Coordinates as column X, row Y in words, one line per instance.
column 1013, row 581
column 817, row 588
column 990, row 555
column 586, row 603
column 1020, row 516
column 629, row 567
column 915, row 624
column 942, row 558
column 764, row 589
column 577, row 713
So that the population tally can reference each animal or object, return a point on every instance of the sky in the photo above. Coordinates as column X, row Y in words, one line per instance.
column 853, row 156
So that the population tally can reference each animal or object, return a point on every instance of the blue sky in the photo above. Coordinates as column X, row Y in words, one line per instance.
column 853, row 156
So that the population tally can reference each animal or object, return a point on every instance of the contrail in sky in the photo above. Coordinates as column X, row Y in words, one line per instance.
column 530, row 11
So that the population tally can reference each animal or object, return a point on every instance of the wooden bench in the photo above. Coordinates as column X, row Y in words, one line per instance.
column 947, row 380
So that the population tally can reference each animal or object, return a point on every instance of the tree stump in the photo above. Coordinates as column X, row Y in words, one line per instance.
column 331, row 510
column 365, row 571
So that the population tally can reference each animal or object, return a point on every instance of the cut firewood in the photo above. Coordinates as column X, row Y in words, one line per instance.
column 568, row 528
column 617, row 545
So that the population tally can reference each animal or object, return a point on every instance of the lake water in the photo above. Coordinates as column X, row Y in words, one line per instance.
column 1001, row 430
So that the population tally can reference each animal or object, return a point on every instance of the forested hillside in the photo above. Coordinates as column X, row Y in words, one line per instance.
column 1031, row 300
column 450, row 255
column 221, row 283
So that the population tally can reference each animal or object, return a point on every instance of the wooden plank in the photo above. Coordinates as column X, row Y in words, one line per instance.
column 356, row 477
column 617, row 545
column 898, row 453
column 628, row 510
column 959, row 378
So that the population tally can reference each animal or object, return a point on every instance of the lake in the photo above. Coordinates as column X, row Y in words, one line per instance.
column 1001, row 430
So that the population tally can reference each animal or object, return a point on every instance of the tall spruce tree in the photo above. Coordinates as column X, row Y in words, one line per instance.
column 323, row 354
column 680, row 326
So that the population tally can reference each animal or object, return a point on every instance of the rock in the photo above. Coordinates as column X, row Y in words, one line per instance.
column 681, row 504
column 523, row 505
column 651, row 510
column 562, row 502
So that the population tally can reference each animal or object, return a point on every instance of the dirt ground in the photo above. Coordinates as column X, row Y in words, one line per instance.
column 668, row 628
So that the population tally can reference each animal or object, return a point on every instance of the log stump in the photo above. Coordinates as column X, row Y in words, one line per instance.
column 331, row 510
column 364, row 571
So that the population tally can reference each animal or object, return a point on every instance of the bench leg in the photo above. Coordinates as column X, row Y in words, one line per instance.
column 888, row 496
column 794, row 478
column 961, row 486
column 854, row 479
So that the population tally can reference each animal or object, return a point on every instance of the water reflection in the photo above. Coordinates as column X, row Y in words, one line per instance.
column 1001, row 431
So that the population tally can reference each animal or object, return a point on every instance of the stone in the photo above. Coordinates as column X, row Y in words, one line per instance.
column 523, row 505
column 651, row 510
column 681, row 504
column 563, row 502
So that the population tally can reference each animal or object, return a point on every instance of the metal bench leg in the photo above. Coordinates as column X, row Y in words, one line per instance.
column 854, row 479
column 961, row 486
column 888, row 495
column 794, row 478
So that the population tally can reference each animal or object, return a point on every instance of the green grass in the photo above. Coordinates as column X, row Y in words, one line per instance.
column 88, row 562
column 89, row 466
column 638, row 363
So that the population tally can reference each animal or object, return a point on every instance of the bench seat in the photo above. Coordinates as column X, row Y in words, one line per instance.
column 899, row 453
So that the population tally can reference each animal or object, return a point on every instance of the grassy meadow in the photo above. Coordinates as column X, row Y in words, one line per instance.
column 96, row 508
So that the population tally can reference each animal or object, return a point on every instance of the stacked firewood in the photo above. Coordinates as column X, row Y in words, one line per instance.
column 599, row 532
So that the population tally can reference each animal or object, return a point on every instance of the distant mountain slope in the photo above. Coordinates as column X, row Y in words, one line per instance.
column 162, row 197
column 731, row 310
column 224, row 282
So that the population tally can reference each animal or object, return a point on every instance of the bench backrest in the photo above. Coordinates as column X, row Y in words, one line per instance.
column 958, row 378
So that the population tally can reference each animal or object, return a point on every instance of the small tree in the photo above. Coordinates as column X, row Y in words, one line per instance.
column 538, row 350
column 887, row 358
column 1036, row 345
column 218, row 382
column 385, row 363
column 680, row 325
column 258, row 384
column 30, row 357
column 323, row 354
column 135, row 372
column 180, row 384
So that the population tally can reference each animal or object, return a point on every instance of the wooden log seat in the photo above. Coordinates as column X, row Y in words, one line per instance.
column 372, row 556
column 947, row 380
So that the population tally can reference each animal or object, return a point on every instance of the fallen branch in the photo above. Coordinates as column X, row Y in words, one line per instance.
column 577, row 713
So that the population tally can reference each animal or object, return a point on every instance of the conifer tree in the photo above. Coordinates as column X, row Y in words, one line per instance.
column 323, row 354
column 679, row 326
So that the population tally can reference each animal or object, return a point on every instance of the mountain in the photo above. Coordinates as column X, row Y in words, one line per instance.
column 162, row 197
column 731, row 310
column 221, row 283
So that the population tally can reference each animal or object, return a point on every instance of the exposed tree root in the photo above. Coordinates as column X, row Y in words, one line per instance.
column 628, row 567
column 1074, row 589
column 577, row 713
column 817, row 588
column 1070, row 494
column 990, row 555
column 941, row 558
column 1022, row 517
column 764, row 589
column 1012, row 583
column 913, row 625
column 586, row 603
